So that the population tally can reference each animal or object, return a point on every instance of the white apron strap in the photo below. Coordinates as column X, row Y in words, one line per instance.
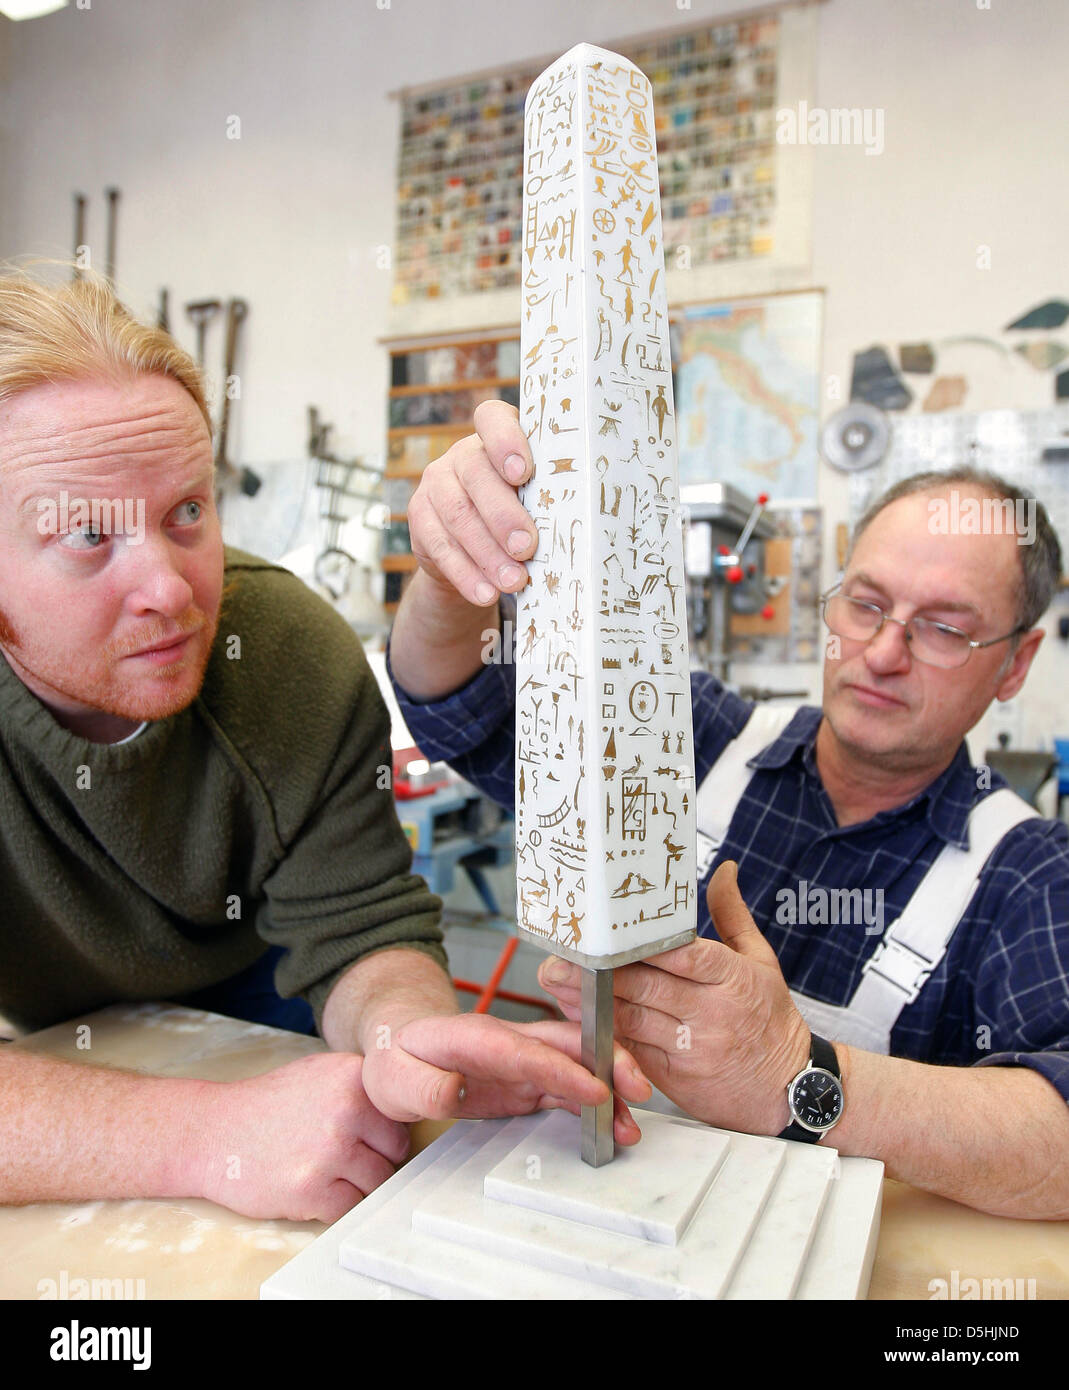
column 723, row 785
column 915, row 943
column 839, row 1023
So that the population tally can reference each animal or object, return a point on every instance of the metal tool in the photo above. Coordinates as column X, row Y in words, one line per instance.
column 725, row 562
column 334, row 476
column 112, row 195
column 202, row 312
column 596, row 1001
column 237, row 311
column 80, row 202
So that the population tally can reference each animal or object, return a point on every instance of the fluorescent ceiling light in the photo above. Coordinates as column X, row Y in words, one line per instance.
column 29, row 9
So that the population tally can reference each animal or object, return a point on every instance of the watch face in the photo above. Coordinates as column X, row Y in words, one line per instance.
column 816, row 1099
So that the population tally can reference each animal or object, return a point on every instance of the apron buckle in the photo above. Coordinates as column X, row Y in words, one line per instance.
column 900, row 966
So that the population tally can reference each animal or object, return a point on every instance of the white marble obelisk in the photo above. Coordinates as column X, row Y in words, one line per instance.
column 605, row 837
column 605, row 841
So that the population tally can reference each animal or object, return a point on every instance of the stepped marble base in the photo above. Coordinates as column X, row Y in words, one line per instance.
column 506, row 1209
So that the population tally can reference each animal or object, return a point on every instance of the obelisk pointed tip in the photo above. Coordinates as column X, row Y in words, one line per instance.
column 586, row 55
column 589, row 53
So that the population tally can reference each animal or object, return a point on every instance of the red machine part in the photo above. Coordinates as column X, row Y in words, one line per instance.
column 403, row 788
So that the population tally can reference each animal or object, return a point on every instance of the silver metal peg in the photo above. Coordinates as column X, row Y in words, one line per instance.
column 598, row 1146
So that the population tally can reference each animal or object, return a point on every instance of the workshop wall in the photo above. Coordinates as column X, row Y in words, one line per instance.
column 292, row 215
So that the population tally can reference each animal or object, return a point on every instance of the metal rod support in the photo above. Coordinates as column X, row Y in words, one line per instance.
column 598, row 1146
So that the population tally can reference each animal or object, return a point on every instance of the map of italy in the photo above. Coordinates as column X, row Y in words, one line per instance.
column 747, row 381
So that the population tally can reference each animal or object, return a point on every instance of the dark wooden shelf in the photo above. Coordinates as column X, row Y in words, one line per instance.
column 412, row 447
column 402, row 431
column 485, row 383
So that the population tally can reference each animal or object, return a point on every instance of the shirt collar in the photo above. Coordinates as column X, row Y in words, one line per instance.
column 801, row 732
column 950, row 796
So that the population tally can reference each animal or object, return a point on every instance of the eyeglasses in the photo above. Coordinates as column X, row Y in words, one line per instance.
column 934, row 644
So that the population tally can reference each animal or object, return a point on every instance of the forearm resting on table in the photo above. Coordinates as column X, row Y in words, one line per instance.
column 993, row 1138
column 384, row 990
column 438, row 639
column 70, row 1132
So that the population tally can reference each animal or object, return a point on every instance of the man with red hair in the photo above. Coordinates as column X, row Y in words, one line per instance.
column 191, row 757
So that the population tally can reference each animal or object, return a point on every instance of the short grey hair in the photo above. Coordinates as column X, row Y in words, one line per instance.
column 1041, row 561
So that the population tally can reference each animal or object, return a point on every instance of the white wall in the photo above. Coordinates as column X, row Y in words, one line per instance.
column 137, row 93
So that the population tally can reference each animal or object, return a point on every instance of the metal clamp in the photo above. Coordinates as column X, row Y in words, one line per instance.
column 900, row 966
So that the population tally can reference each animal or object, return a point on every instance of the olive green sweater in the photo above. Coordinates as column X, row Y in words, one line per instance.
column 260, row 814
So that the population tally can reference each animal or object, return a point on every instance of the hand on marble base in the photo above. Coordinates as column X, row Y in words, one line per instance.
column 473, row 1066
column 711, row 1024
column 302, row 1142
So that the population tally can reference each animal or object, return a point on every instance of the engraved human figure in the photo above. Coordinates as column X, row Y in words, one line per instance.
column 627, row 256
column 659, row 406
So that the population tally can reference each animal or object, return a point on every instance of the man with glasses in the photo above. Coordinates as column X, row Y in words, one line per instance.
column 893, row 953
column 933, row 643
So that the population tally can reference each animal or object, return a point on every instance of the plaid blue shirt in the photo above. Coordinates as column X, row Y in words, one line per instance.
column 1000, row 995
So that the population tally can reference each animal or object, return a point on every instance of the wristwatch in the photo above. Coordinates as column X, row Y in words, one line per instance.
column 815, row 1096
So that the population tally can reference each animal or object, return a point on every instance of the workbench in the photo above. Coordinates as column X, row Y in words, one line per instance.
column 195, row 1249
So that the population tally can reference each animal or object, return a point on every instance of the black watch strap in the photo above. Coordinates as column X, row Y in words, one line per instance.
column 824, row 1055
column 821, row 1054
